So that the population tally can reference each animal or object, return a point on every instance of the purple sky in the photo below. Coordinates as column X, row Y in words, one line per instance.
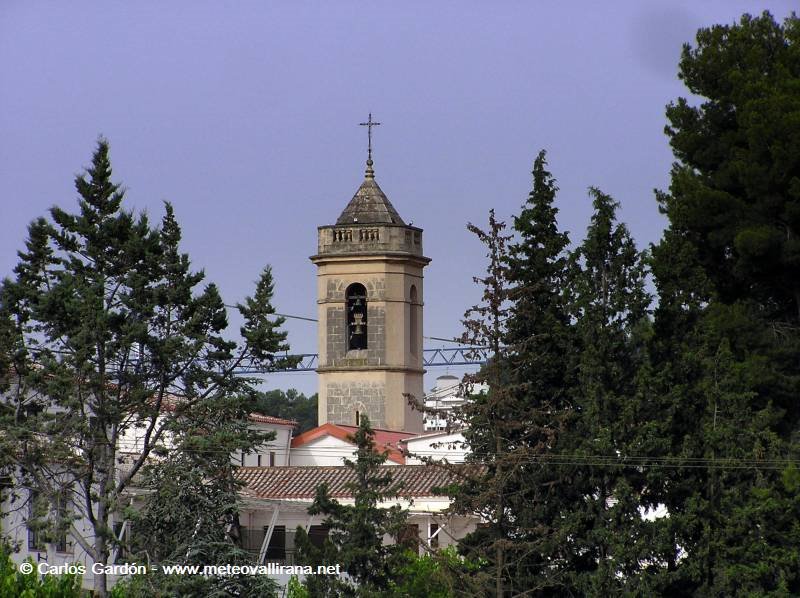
column 244, row 115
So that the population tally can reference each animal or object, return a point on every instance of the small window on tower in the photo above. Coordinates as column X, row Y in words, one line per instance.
column 356, row 317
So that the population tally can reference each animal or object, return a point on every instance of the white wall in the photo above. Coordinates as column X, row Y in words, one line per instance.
column 279, row 446
column 325, row 450
column 131, row 439
column 436, row 446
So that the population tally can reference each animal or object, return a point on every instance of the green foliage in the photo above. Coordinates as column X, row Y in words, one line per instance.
column 289, row 405
column 295, row 589
column 565, row 333
column 356, row 532
column 30, row 585
column 735, row 191
column 435, row 575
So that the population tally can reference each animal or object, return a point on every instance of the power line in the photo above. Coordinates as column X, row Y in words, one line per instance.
column 431, row 338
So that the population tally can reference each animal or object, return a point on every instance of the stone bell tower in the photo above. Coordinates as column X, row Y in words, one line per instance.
column 369, row 297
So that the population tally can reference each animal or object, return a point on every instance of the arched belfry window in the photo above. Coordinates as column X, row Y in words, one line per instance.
column 413, row 322
column 356, row 317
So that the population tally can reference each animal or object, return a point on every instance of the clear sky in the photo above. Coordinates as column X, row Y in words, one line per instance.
column 244, row 115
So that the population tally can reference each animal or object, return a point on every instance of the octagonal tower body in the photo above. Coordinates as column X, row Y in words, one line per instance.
column 369, row 304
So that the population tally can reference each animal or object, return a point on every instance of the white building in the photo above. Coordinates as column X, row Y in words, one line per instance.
column 329, row 444
column 440, row 446
column 276, row 502
column 274, row 453
column 440, row 402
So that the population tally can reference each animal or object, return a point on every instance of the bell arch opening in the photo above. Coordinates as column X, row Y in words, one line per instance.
column 356, row 296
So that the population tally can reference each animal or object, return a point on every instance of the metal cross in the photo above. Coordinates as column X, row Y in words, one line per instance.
column 369, row 124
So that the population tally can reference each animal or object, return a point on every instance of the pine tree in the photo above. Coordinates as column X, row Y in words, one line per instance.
column 727, row 327
column 356, row 532
column 113, row 340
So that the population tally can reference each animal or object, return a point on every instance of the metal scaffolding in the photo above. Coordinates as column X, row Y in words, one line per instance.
column 308, row 362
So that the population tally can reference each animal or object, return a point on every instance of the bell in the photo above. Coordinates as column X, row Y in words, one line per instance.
column 358, row 323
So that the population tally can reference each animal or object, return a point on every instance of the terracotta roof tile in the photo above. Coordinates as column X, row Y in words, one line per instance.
column 302, row 482
column 268, row 419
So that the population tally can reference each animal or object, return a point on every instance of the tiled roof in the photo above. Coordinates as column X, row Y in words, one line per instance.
column 385, row 440
column 302, row 482
column 386, row 437
column 268, row 419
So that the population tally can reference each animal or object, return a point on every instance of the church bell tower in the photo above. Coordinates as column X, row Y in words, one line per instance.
column 369, row 302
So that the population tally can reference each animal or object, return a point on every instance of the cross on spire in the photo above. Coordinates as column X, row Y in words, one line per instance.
column 369, row 124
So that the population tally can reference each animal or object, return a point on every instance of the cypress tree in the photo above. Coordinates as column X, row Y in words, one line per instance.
column 514, row 424
column 602, row 526
column 540, row 347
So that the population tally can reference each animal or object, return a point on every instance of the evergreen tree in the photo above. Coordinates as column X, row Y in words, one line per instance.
column 186, row 520
column 540, row 351
column 727, row 327
column 601, row 525
column 736, row 186
column 528, row 378
column 113, row 341
column 562, row 411
column 515, row 426
column 290, row 405
column 356, row 532
column 489, row 419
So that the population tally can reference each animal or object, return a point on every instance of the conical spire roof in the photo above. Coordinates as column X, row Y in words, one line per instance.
column 370, row 204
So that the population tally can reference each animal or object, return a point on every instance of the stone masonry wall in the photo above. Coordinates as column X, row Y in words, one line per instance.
column 337, row 333
column 345, row 398
column 376, row 335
